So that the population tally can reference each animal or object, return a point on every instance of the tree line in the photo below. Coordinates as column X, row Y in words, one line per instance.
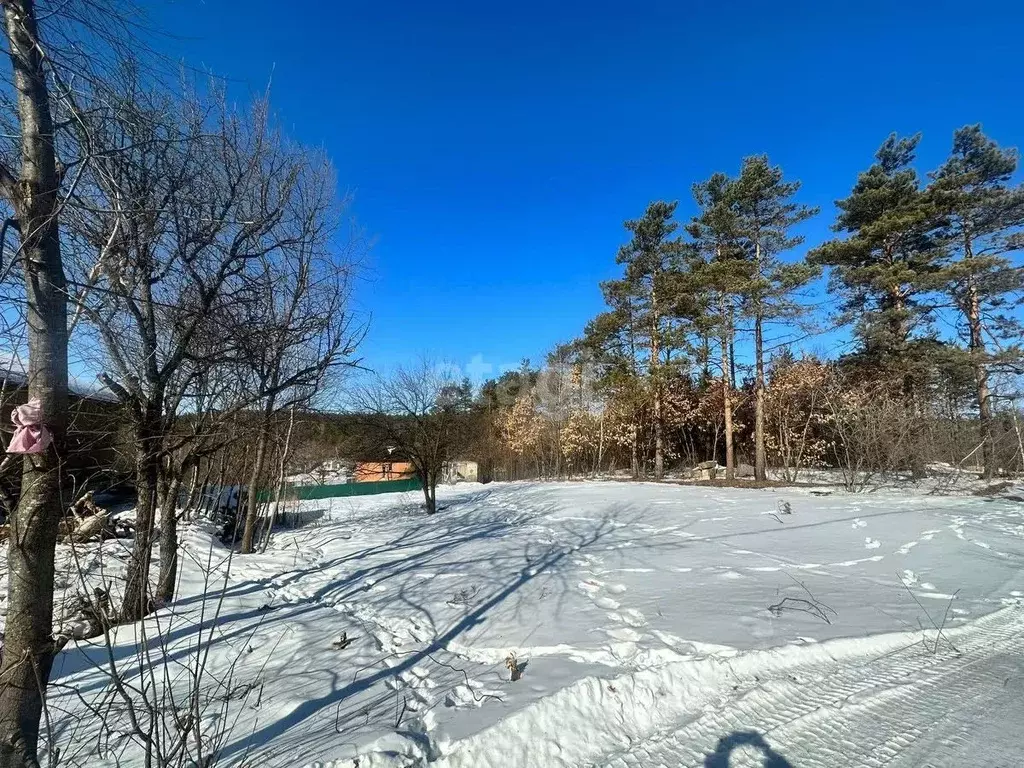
column 696, row 357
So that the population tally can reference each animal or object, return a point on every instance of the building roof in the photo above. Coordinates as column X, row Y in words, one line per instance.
column 12, row 373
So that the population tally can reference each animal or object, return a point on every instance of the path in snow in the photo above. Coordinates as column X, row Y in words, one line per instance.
column 905, row 709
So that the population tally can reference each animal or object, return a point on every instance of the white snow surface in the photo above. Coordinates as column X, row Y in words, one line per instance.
column 641, row 613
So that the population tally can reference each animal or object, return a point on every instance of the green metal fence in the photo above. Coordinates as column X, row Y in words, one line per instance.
column 306, row 492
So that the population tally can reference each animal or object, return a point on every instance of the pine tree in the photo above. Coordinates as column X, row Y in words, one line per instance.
column 982, row 221
column 612, row 340
column 720, row 273
column 766, row 214
column 887, row 265
column 651, row 257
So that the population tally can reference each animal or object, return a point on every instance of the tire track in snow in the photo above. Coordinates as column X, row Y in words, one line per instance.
column 904, row 709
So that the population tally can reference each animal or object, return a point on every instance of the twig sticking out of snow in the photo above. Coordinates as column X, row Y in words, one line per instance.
column 799, row 604
column 400, row 710
column 464, row 596
column 469, row 685
column 938, row 627
column 811, row 605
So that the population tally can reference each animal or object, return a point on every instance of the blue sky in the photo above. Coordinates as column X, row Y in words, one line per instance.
column 494, row 149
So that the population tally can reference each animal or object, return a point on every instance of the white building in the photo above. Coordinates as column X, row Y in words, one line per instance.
column 460, row 471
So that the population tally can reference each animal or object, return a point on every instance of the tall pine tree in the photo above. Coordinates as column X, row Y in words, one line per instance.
column 982, row 218
column 886, row 265
column 721, row 273
column 650, row 258
column 767, row 213
column 613, row 341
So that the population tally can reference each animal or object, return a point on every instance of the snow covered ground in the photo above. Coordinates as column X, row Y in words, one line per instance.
column 655, row 625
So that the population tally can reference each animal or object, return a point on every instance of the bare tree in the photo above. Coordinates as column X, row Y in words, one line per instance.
column 302, row 330
column 421, row 414
column 214, row 397
column 873, row 432
column 186, row 206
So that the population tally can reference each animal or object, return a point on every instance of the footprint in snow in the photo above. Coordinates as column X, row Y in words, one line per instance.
column 858, row 523
column 905, row 549
column 870, row 543
column 631, row 617
column 623, row 634
column 909, row 576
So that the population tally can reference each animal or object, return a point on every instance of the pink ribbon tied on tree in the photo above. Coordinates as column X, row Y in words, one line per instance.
column 30, row 436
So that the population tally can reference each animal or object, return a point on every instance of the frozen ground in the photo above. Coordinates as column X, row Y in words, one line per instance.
column 642, row 614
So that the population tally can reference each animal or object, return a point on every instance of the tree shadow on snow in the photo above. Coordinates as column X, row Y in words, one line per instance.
column 530, row 563
column 443, row 544
column 745, row 739
column 401, row 556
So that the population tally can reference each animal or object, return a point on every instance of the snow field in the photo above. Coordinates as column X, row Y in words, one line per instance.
column 641, row 612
